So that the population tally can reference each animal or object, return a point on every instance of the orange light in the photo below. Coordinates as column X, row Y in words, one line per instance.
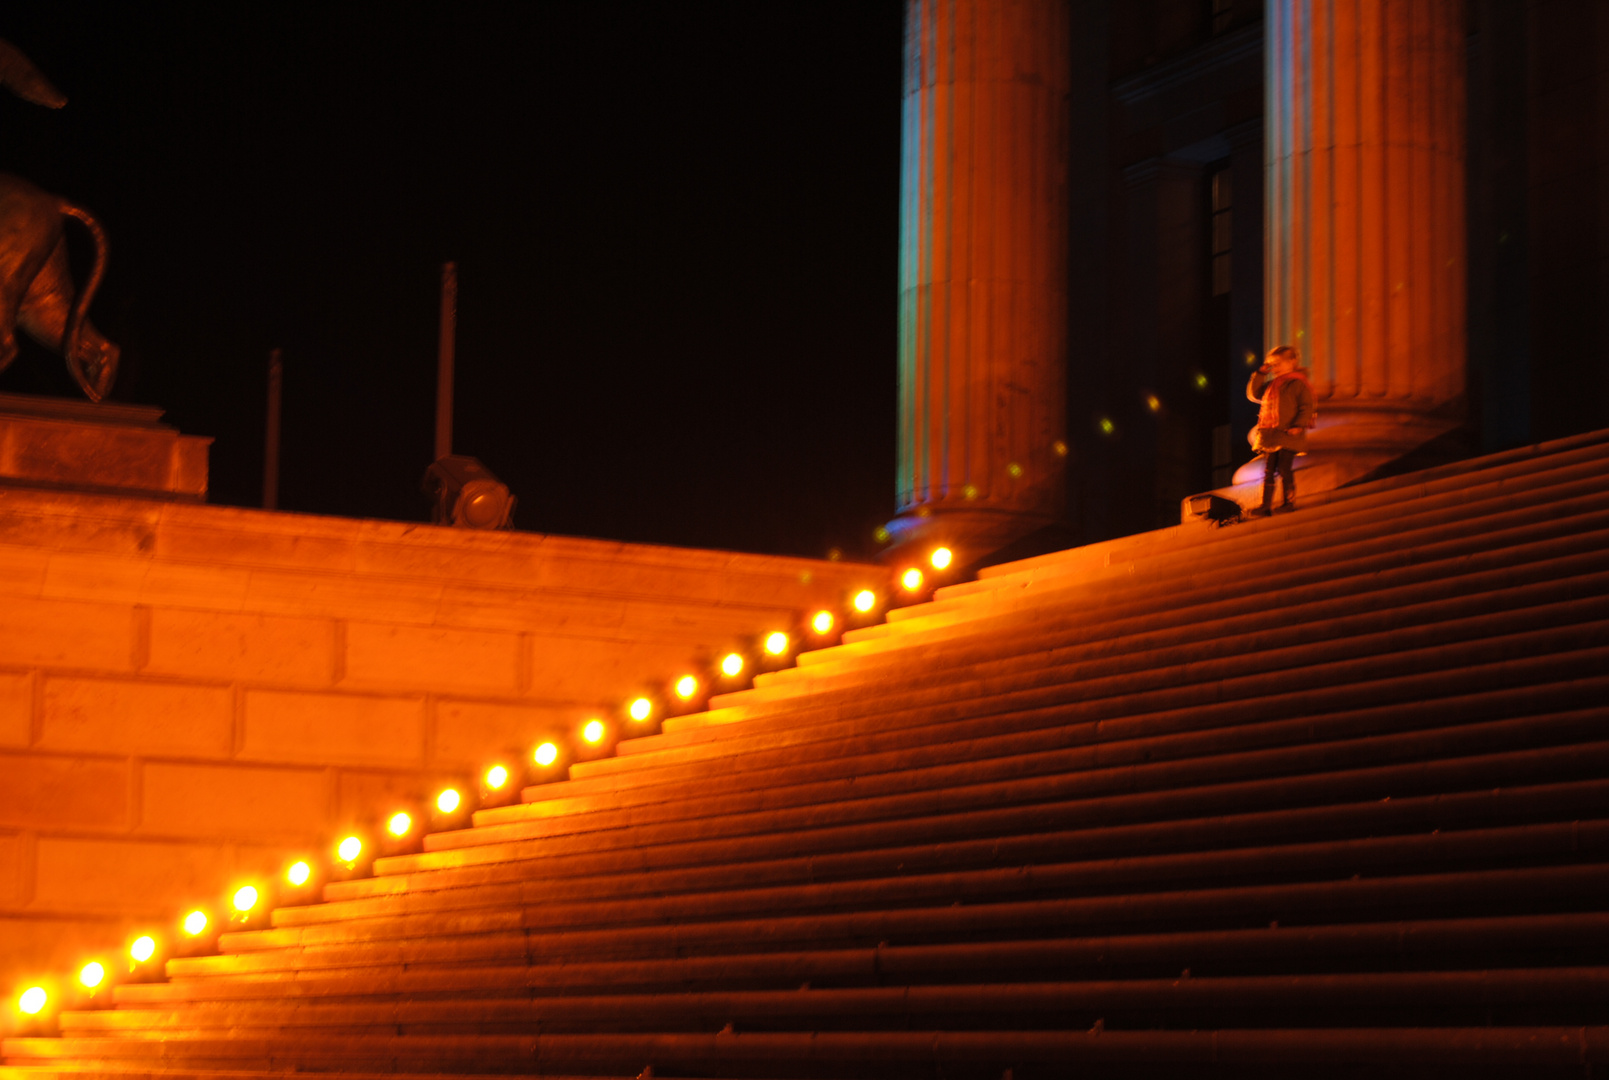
column 776, row 643
column 349, row 849
column 1059, row 447
column 593, row 732
column 1153, row 403
column 865, row 600
column 399, row 824
column 941, row 558
column 142, row 949
column 1201, row 382
column 448, row 800
column 911, row 579
column 641, row 709
column 731, row 664
column 245, row 898
column 195, row 922
column 33, row 1000
column 822, row 623
column 1106, row 425
column 686, row 687
column 546, row 754
column 298, row 873
column 91, row 975
column 496, row 777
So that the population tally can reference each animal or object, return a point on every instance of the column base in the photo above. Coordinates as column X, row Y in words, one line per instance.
column 972, row 534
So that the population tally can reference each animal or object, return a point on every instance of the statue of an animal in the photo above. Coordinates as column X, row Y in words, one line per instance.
column 36, row 289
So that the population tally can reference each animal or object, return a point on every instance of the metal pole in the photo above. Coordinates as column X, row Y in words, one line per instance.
column 444, row 360
column 271, row 437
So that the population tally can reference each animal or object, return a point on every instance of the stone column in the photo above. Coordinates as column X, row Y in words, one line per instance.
column 983, row 267
column 1364, row 212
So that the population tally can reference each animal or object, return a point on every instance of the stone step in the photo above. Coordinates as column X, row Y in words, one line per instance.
column 482, row 964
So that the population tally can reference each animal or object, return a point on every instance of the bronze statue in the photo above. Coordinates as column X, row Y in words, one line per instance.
column 36, row 290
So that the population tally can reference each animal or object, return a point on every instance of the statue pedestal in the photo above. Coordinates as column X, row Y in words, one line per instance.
column 112, row 449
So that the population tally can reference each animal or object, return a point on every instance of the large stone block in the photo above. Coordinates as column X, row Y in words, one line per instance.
column 12, row 883
column 234, row 801
column 470, row 733
column 44, row 791
column 432, row 658
column 130, row 876
column 115, row 716
column 60, row 633
column 334, row 729
column 109, row 446
column 250, row 648
column 34, row 946
column 16, row 708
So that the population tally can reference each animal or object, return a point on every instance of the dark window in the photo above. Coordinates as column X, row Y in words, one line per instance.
column 1223, row 229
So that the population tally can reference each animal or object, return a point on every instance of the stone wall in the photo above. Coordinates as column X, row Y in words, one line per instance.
column 189, row 693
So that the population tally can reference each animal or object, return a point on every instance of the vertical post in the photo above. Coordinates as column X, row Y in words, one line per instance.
column 271, row 435
column 444, row 360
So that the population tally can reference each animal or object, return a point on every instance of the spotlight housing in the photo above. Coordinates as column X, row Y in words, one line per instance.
column 466, row 494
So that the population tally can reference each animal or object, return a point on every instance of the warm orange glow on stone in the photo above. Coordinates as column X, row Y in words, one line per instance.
column 299, row 873
column 143, row 948
column 776, row 643
column 547, row 753
column 349, row 849
column 641, row 709
column 448, row 801
column 911, row 579
column 33, row 1000
column 399, row 824
column 731, row 665
column 941, row 558
column 195, row 922
column 245, row 898
column 496, row 777
column 822, row 622
column 593, row 732
column 865, row 600
column 92, row 974
column 686, row 687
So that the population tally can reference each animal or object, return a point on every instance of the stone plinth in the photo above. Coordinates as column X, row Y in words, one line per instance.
column 983, row 268
column 109, row 448
column 1364, row 208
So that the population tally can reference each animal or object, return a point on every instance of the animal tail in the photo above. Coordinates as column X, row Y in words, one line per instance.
column 75, row 322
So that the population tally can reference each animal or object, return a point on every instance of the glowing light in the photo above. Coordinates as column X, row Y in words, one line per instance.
column 593, row 732
column 834, row 554
column 1059, row 447
column 448, row 801
column 91, row 975
column 731, row 664
column 864, row 601
column 641, row 709
column 245, row 898
column 1153, row 403
column 299, row 873
column 911, row 579
column 686, row 687
column 195, row 922
column 33, row 1000
column 1201, row 381
column 143, row 949
column 547, row 753
column 1106, row 425
column 496, row 777
column 969, row 492
column 776, row 643
column 882, row 534
column 941, row 558
column 1013, row 470
column 349, row 849
column 822, row 622
column 399, row 824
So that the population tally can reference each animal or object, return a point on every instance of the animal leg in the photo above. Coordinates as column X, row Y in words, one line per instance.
column 48, row 302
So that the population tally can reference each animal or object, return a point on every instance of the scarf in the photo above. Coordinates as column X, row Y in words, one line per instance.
column 1268, row 412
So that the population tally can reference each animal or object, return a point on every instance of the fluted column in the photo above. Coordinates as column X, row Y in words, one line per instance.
column 1364, row 219
column 983, row 269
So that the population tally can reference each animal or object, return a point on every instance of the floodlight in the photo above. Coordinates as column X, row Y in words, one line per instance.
column 731, row 665
column 548, row 753
column 32, row 1001
column 448, row 801
column 92, row 975
column 467, row 495
column 822, row 622
column 941, row 558
column 641, row 709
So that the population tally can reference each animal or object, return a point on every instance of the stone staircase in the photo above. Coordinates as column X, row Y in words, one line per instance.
column 1325, row 794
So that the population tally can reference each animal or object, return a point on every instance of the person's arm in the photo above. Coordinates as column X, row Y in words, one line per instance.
column 1258, row 383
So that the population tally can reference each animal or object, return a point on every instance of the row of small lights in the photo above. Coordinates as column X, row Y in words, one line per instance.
column 350, row 851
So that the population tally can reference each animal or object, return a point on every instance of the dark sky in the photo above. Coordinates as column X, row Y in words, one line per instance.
column 676, row 226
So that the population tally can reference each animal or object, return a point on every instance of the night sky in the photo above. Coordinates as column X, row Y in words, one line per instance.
column 676, row 226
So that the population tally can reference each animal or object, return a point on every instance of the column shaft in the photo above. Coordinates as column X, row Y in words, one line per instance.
column 982, row 291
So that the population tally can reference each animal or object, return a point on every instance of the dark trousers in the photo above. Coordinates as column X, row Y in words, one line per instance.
column 1281, row 463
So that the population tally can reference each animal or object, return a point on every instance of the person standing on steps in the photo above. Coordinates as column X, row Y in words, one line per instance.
column 1280, row 388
